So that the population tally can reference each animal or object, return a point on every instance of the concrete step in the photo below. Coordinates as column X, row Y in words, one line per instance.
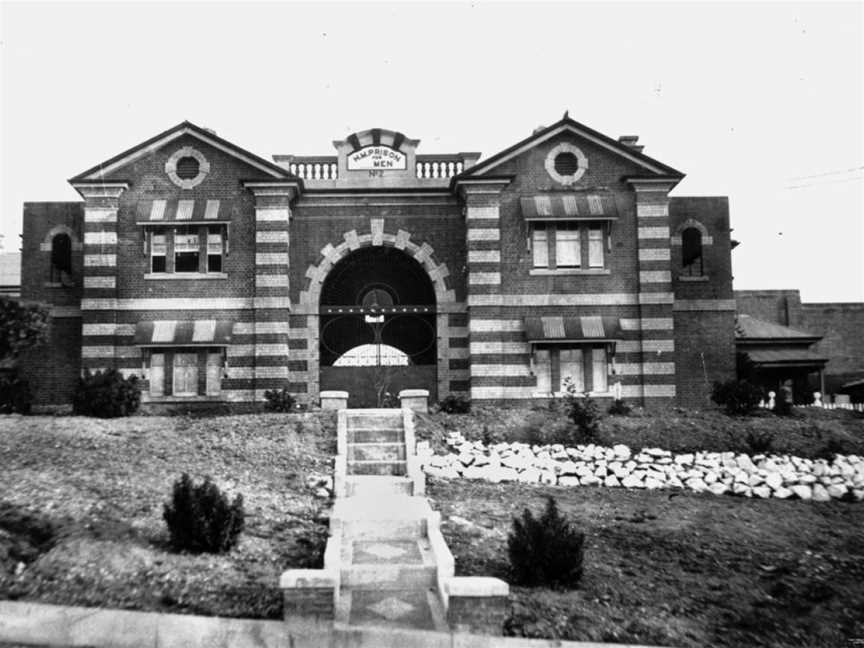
column 376, row 435
column 358, row 467
column 389, row 576
column 376, row 452
column 378, row 485
column 374, row 418
column 415, row 609
column 375, row 516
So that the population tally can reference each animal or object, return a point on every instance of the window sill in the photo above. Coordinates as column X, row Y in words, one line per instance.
column 56, row 284
column 543, row 272
column 606, row 394
column 689, row 278
column 175, row 276
column 180, row 399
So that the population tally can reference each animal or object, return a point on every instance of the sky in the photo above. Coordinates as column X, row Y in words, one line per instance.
column 763, row 103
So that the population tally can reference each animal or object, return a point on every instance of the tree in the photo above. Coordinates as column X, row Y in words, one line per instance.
column 22, row 326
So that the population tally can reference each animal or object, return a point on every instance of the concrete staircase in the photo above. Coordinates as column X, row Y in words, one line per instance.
column 387, row 567
column 388, row 563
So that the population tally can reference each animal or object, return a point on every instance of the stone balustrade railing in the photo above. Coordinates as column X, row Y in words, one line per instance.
column 314, row 168
column 439, row 166
column 426, row 167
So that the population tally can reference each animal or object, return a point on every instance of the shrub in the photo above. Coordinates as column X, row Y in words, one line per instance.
column 200, row 518
column 106, row 394
column 759, row 441
column 830, row 448
column 738, row 397
column 15, row 395
column 453, row 404
column 583, row 411
column 620, row 408
column 545, row 550
column 279, row 400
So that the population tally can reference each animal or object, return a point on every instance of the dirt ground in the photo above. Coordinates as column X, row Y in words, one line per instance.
column 81, row 509
column 675, row 568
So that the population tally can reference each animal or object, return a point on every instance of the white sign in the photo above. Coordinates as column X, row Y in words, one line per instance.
column 376, row 157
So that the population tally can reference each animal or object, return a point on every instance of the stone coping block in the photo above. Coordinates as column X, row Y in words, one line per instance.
column 415, row 399
column 481, row 586
column 309, row 578
column 334, row 400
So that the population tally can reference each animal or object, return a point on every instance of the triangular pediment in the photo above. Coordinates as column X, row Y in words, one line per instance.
column 117, row 163
column 649, row 167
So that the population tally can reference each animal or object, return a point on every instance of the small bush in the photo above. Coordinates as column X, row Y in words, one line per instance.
column 620, row 408
column 200, row 518
column 279, row 400
column 738, row 397
column 759, row 441
column 106, row 394
column 584, row 413
column 453, row 404
column 545, row 551
column 831, row 448
column 15, row 395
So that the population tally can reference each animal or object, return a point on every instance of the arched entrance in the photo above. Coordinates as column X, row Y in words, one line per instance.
column 377, row 320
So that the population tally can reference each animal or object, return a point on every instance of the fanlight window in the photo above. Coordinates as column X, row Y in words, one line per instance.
column 372, row 355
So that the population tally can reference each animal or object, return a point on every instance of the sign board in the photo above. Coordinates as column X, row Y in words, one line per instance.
column 376, row 157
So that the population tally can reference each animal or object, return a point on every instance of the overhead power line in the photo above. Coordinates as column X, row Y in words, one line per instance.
column 820, row 184
column 828, row 173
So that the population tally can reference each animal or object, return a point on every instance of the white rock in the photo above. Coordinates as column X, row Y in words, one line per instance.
column 568, row 480
column 710, row 477
column 632, row 481
column 589, row 480
column 774, row 481
column 621, row 451
column 762, row 491
column 696, row 484
column 802, row 491
column 600, row 471
column 476, row 472
column 806, row 479
column 755, row 480
column 466, row 459
column 745, row 463
column 585, row 471
column 858, row 494
column 529, row 476
column 565, row 468
column 837, row 491
column 655, row 475
column 684, row 459
column 548, row 477
column 820, row 493
column 652, row 484
column 739, row 488
column 611, row 481
column 657, row 452
column 782, row 493
column 718, row 488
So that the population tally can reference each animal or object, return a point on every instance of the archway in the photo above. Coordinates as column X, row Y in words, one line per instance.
column 380, row 297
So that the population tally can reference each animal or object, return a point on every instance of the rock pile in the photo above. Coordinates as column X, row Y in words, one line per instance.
column 780, row 476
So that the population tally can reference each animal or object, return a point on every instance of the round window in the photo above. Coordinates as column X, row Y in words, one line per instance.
column 188, row 167
column 566, row 164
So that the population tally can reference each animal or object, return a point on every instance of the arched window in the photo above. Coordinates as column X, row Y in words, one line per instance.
column 691, row 252
column 61, row 259
column 373, row 355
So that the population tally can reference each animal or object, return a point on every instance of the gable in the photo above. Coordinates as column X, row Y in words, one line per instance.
column 570, row 130
column 114, row 168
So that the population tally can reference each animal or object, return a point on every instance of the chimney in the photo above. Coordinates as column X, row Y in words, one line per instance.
column 537, row 130
column 630, row 142
column 210, row 130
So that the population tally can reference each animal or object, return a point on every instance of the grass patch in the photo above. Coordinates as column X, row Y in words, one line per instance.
column 82, row 504
column 674, row 569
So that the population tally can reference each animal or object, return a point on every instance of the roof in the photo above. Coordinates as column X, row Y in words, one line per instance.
column 99, row 171
column 656, row 167
column 853, row 384
column 10, row 269
column 752, row 328
column 786, row 358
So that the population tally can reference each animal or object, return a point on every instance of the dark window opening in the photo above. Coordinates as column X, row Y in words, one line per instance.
column 61, row 259
column 187, row 168
column 566, row 164
column 691, row 252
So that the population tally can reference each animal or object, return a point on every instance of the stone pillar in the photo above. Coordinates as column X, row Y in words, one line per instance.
column 414, row 399
column 656, row 296
column 477, row 604
column 483, row 244
column 99, row 294
column 272, row 301
column 334, row 400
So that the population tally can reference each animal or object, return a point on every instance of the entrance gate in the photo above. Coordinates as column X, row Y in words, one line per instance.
column 377, row 328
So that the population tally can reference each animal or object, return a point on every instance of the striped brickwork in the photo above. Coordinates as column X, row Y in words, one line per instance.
column 99, row 280
column 272, row 304
column 655, row 278
column 304, row 375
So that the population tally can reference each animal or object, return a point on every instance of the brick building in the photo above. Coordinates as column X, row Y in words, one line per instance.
column 216, row 274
